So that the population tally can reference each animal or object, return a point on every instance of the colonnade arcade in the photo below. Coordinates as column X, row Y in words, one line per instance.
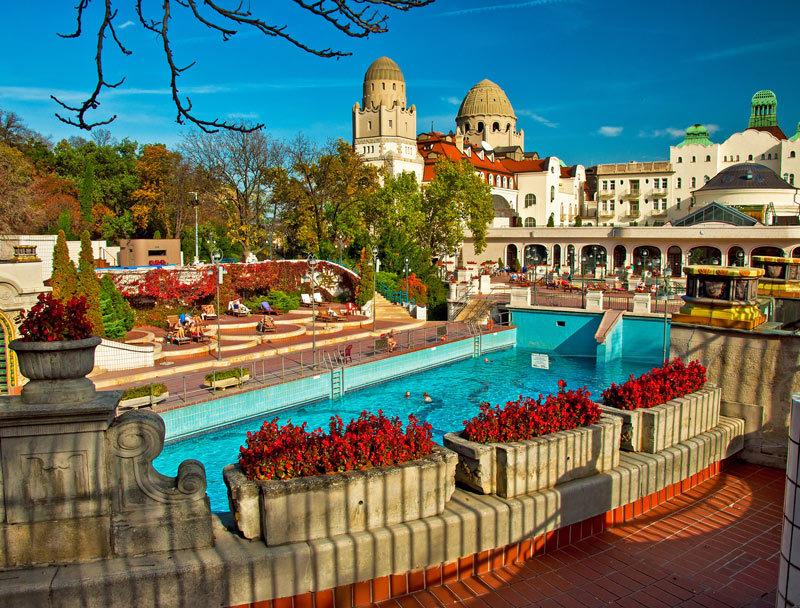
column 614, row 257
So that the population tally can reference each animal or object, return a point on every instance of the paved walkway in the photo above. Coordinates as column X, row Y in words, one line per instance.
column 716, row 545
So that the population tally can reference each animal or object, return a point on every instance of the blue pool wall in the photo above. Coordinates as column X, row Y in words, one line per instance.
column 573, row 333
column 226, row 410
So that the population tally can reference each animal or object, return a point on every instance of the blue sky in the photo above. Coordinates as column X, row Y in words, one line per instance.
column 590, row 80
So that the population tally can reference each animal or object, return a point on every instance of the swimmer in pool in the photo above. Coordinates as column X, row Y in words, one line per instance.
column 427, row 397
column 408, row 394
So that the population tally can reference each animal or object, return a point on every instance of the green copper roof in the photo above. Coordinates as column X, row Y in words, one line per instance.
column 696, row 134
column 796, row 136
column 763, row 110
column 562, row 163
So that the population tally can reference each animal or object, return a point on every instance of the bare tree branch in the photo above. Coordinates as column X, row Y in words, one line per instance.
column 353, row 18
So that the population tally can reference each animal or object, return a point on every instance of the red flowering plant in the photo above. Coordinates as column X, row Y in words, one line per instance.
column 288, row 451
column 527, row 418
column 51, row 320
column 659, row 385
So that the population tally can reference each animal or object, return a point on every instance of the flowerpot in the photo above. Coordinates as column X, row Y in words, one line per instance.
column 652, row 429
column 307, row 508
column 138, row 402
column 56, row 370
column 523, row 467
column 226, row 382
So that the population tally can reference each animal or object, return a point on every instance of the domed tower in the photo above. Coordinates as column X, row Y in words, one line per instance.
column 696, row 134
column 487, row 115
column 385, row 130
column 763, row 110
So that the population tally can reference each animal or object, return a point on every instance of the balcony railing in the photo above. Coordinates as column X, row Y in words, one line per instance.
column 632, row 194
column 606, row 213
column 634, row 212
column 659, row 192
column 607, row 193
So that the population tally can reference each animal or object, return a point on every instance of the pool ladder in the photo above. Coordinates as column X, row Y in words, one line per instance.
column 336, row 383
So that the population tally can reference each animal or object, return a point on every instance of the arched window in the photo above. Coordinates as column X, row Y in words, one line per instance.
column 394, row 86
column 480, row 127
column 491, row 179
column 496, row 126
column 372, row 86
column 749, row 157
column 705, row 179
column 510, row 182
column 763, row 156
column 680, row 159
column 694, row 182
column 530, row 199
column 503, row 181
column 694, row 159
column 508, row 128
column 708, row 158
column 725, row 159
column 466, row 127
column 792, row 154
column 383, row 86
column 530, row 222
column 680, row 181
column 786, row 177
column 552, row 193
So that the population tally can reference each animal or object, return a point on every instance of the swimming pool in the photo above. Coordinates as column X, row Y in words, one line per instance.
column 457, row 389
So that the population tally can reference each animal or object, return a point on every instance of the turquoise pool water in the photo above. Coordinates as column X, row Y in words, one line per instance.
column 457, row 390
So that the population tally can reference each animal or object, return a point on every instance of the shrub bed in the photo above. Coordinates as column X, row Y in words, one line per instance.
column 236, row 372
column 144, row 391
column 527, row 418
column 288, row 451
column 659, row 385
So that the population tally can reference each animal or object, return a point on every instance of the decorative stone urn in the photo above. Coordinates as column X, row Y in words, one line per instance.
column 56, row 370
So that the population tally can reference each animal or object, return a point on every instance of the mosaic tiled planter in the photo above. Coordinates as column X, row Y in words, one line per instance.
column 523, row 467
column 652, row 429
column 227, row 382
column 306, row 508
column 138, row 402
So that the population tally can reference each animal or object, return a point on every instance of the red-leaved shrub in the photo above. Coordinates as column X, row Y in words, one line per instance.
column 284, row 452
column 659, row 385
column 52, row 320
column 527, row 418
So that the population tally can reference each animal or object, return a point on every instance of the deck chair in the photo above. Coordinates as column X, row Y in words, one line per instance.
column 266, row 325
column 305, row 300
column 347, row 354
column 237, row 309
column 351, row 308
column 208, row 312
column 318, row 297
column 267, row 309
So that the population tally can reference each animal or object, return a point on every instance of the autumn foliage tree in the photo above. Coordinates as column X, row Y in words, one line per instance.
column 89, row 284
column 64, row 279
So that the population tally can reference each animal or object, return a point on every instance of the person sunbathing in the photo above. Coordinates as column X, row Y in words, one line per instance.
column 390, row 341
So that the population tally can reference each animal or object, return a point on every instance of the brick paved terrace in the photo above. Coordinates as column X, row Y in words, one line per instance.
column 716, row 545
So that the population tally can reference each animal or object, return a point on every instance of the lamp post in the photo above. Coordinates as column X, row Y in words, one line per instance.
column 216, row 257
column 374, row 286
column 645, row 253
column 312, row 266
column 740, row 258
column 583, row 290
column 667, row 275
column 196, row 242
column 535, row 259
column 405, row 267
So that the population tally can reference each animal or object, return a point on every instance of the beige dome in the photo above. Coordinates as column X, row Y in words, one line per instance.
column 485, row 99
column 384, row 68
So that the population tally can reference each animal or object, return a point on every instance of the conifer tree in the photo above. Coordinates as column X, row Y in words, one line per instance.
column 64, row 279
column 364, row 290
column 115, row 309
column 89, row 284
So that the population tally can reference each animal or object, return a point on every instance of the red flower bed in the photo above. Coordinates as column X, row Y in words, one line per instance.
column 659, row 385
column 52, row 320
column 284, row 452
column 527, row 418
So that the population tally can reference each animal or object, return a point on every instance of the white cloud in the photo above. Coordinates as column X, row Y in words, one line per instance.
column 666, row 132
column 124, row 25
column 712, row 128
column 748, row 49
column 243, row 115
column 538, row 118
column 452, row 100
column 500, row 7
column 610, row 131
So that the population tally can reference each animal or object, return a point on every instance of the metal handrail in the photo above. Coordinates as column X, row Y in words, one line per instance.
column 395, row 297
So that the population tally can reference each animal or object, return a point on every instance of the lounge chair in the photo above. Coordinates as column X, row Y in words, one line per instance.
column 266, row 325
column 267, row 309
column 305, row 300
column 318, row 298
column 237, row 309
column 208, row 312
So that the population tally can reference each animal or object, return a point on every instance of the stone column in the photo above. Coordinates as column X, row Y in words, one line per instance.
column 789, row 566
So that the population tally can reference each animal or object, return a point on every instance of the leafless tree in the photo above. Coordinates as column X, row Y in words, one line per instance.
column 353, row 18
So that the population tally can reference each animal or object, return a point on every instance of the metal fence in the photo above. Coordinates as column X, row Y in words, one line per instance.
column 557, row 298
column 273, row 369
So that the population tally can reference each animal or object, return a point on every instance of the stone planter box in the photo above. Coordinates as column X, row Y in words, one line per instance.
column 653, row 429
column 523, row 467
column 138, row 402
column 226, row 382
column 307, row 508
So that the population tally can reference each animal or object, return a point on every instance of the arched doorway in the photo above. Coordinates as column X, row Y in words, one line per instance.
column 535, row 254
column 675, row 260
column 705, row 255
column 646, row 257
column 773, row 251
column 557, row 255
column 619, row 258
column 511, row 256
column 796, row 252
column 595, row 257
column 736, row 256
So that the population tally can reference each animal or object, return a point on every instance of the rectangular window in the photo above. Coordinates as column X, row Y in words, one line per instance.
column 605, row 184
column 605, row 206
column 678, row 202
column 390, row 123
column 634, row 187
column 634, row 205
column 664, row 183
column 664, row 205
column 612, row 184
column 156, row 252
column 612, row 204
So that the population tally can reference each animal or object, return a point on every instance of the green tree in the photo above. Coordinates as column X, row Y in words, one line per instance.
column 116, row 311
column 86, row 196
column 578, row 221
column 455, row 199
column 89, row 284
column 551, row 221
column 64, row 279
column 364, row 292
